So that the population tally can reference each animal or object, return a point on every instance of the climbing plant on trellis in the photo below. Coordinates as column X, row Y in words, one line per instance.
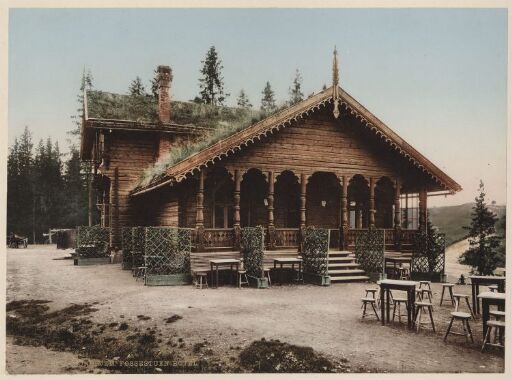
column 92, row 241
column 167, row 250
column 252, row 243
column 315, row 247
column 127, row 247
column 370, row 250
column 428, row 255
column 137, row 247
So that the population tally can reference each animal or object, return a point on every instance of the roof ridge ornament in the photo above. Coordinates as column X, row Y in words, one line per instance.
column 335, row 83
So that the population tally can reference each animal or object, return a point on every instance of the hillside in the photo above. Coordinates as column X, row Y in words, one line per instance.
column 451, row 219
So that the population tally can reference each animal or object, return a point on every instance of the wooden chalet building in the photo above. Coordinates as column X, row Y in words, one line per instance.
column 326, row 161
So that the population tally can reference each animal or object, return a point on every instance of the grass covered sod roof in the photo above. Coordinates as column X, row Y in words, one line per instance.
column 105, row 109
column 144, row 109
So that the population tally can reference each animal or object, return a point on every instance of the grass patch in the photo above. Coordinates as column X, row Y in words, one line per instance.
column 274, row 357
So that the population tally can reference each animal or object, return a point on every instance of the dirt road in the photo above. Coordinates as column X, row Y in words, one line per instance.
column 326, row 318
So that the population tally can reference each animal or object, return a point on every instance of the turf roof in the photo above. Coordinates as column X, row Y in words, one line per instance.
column 107, row 105
column 222, row 121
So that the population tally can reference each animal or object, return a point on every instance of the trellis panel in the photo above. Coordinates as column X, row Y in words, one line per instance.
column 167, row 251
column 315, row 247
column 127, row 246
column 428, row 253
column 369, row 250
column 252, row 244
column 137, row 247
column 92, row 241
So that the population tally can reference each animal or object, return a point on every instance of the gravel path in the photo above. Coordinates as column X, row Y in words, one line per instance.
column 325, row 318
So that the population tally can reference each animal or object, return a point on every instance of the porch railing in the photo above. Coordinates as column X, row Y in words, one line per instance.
column 219, row 237
column 406, row 237
column 287, row 237
column 290, row 238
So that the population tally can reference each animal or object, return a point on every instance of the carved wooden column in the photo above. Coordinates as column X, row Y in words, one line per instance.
column 199, row 212
column 423, row 207
column 358, row 215
column 115, row 228
column 270, row 209
column 236, row 209
column 372, row 203
column 344, row 213
column 397, row 215
column 406, row 212
column 303, row 182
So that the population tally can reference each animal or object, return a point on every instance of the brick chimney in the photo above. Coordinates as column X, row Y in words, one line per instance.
column 164, row 99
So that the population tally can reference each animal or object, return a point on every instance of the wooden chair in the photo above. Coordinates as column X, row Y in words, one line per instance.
column 199, row 276
column 397, row 301
column 242, row 274
column 450, row 291
column 372, row 302
column 371, row 293
column 420, row 306
column 457, row 297
column 498, row 316
column 426, row 293
column 266, row 273
column 404, row 273
column 425, row 285
column 499, row 325
column 464, row 317
column 140, row 272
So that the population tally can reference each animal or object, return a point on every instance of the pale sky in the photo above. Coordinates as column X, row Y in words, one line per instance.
column 436, row 77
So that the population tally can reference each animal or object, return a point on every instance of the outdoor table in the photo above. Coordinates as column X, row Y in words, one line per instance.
column 385, row 287
column 476, row 281
column 222, row 262
column 490, row 298
column 287, row 261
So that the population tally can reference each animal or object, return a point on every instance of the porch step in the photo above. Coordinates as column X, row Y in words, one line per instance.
column 337, row 279
column 339, row 253
column 333, row 266
column 336, row 260
column 342, row 267
column 341, row 272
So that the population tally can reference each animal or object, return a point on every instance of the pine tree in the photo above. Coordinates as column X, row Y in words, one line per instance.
column 482, row 255
column 13, row 199
column 75, row 216
column 48, row 189
column 75, row 191
column 243, row 100
column 154, row 84
column 268, row 102
column 212, row 82
column 24, row 207
column 295, row 90
column 137, row 88
column 85, row 85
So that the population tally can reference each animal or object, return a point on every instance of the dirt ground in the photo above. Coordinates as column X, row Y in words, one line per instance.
column 221, row 323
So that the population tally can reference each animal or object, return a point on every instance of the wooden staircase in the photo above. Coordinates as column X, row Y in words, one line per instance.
column 342, row 267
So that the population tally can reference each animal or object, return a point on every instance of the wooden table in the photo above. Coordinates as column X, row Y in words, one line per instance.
column 287, row 261
column 490, row 298
column 385, row 287
column 476, row 281
column 222, row 262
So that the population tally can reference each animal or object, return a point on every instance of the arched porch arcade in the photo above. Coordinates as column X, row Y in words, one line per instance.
column 287, row 201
